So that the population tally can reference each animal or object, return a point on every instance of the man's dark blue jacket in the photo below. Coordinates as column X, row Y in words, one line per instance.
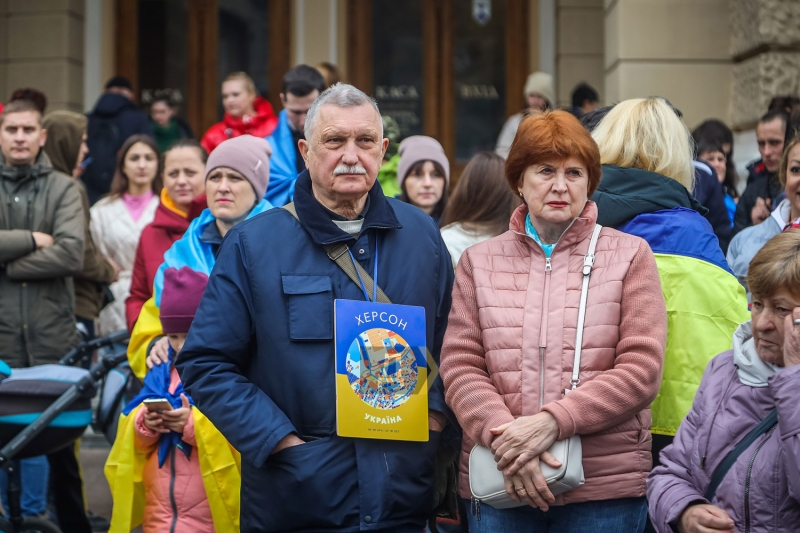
column 259, row 362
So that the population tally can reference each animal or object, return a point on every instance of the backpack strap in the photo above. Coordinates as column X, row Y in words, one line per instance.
column 588, row 263
column 769, row 421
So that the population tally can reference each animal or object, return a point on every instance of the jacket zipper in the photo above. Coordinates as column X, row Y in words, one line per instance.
column 548, row 268
column 747, row 482
column 172, row 492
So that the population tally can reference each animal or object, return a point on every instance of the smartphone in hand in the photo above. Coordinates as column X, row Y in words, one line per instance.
column 157, row 405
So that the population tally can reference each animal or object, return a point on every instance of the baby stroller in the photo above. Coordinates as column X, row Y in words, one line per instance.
column 43, row 409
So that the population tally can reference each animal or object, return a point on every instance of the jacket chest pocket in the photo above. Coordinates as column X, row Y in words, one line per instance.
column 310, row 307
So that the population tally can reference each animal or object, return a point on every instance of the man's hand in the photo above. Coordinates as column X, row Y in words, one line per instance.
column 436, row 420
column 760, row 211
column 116, row 268
column 159, row 353
column 525, row 438
column 287, row 442
column 177, row 419
column 43, row 240
column 791, row 340
column 703, row 518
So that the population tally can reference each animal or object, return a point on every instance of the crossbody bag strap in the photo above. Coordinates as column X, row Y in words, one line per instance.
column 764, row 426
column 337, row 252
column 588, row 263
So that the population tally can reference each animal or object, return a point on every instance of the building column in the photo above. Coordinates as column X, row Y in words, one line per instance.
column 765, row 45
column 677, row 49
column 42, row 43
column 579, row 56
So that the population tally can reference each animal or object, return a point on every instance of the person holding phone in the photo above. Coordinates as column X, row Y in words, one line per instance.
column 174, row 447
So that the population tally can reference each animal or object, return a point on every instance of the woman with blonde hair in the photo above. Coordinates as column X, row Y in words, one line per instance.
column 245, row 113
column 648, row 174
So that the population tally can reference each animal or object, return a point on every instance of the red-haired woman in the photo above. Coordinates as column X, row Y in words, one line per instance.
column 508, row 352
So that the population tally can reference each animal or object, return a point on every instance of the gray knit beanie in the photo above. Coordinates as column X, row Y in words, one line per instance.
column 248, row 156
column 420, row 148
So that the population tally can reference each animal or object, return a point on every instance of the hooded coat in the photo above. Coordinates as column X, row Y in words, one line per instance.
column 64, row 136
column 37, row 297
column 705, row 303
column 761, row 492
column 259, row 125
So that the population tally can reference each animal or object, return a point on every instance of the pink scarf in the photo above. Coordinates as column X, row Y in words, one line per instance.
column 136, row 204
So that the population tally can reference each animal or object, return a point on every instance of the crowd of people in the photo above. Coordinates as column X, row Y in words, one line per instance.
column 601, row 277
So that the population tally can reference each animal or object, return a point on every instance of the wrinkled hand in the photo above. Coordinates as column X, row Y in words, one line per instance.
column 43, row 240
column 153, row 422
column 287, row 442
column 159, row 353
column 177, row 419
column 760, row 211
column 517, row 442
column 705, row 518
column 528, row 485
column 791, row 340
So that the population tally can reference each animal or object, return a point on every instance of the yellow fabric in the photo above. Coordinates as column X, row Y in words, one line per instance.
column 147, row 329
column 167, row 202
column 220, row 466
column 705, row 305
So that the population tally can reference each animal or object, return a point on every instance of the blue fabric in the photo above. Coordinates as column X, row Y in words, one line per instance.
column 730, row 205
column 709, row 192
column 69, row 419
column 678, row 231
column 259, row 362
column 746, row 244
column 156, row 385
column 282, row 164
column 5, row 370
column 623, row 515
column 32, row 476
column 533, row 234
column 192, row 251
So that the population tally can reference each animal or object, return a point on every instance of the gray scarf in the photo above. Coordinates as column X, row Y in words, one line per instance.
column 753, row 371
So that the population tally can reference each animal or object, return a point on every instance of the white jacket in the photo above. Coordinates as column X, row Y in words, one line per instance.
column 457, row 239
column 116, row 235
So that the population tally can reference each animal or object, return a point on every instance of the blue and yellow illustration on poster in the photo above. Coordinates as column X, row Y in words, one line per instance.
column 381, row 371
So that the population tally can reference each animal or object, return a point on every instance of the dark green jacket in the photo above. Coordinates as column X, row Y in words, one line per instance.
column 37, row 300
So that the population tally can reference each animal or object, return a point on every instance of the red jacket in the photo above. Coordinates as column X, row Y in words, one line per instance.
column 260, row 125
column 156, row 239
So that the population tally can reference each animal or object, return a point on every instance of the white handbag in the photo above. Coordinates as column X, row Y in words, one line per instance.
column 486, row 481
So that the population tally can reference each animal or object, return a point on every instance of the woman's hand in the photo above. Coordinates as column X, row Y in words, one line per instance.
column 177, row 419
column 704, row 518
column 517, row 442
column 528, row 485
column 791, row 340
column 153, row 422
column 159, row 353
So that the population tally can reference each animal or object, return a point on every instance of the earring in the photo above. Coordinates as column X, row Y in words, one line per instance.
column 520, row 194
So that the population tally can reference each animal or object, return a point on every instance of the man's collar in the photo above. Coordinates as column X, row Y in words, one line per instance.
column 40, row 167
column 316, row 219
column 211, row 234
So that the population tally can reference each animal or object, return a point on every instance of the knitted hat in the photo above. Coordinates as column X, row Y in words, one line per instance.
column 247, row 155
column 540, row 83
column 180, row 298
column 420, row 148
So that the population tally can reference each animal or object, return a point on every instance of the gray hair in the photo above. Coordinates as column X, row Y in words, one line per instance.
column 340, row 95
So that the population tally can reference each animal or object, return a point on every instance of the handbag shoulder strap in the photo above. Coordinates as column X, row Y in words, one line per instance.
column 588, row 263
column 765, row 425
column 337, row 252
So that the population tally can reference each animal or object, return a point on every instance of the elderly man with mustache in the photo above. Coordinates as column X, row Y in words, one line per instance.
column 259, row 360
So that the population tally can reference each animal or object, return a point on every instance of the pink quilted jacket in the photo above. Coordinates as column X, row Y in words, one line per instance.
column 509, row 347
column 179, row 483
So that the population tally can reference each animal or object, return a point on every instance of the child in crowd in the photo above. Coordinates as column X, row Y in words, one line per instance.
column 177, row 452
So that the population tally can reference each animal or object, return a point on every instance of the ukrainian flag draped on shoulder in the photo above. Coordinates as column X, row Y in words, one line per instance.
column 282, row 164
column 705, row 303
column 189, row 251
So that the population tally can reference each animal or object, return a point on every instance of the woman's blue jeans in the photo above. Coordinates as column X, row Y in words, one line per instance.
column 32, row 475
column 624, row 515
